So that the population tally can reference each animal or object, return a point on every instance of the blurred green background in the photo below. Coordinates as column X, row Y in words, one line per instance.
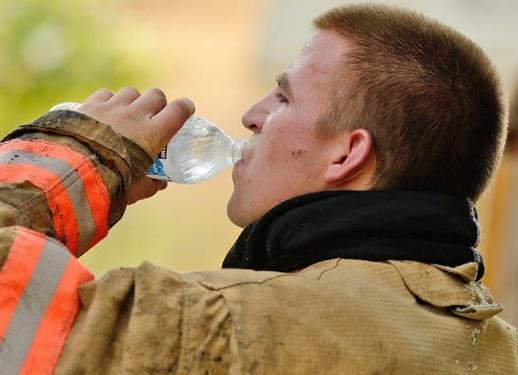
column 224, row 55
column 53, row 51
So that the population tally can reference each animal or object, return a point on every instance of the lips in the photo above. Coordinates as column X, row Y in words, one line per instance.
column 248, row 149
column 239, row 164
column 237, row 170
column 245, row 154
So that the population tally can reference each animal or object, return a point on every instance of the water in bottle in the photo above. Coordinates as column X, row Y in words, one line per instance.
column 198, row 151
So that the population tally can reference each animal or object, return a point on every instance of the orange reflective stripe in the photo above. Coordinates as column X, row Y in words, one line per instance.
column 93, row 191
column 15, row 274
column 65, row 223
column 55, row 324
column 40, row 321
column 96, row 194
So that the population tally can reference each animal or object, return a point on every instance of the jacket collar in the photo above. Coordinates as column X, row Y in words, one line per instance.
column 427, row 227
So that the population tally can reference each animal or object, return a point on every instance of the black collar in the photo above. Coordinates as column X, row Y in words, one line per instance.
column 427, row 227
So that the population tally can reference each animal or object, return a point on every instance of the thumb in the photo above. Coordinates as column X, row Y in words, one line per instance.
column 170, row 119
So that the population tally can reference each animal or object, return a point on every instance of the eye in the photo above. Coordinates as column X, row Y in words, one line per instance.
column 281, row 98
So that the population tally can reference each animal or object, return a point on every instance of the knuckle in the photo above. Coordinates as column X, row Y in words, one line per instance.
column 99, row 96
column 105, row 91
column 158, row 94
column 131, row 90
column 180, row 106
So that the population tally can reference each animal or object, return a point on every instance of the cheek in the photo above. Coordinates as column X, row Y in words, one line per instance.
column 298, row 154
column 282, row 146
column 283, row 169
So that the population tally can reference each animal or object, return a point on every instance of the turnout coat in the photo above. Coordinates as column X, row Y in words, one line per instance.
column 63, row 184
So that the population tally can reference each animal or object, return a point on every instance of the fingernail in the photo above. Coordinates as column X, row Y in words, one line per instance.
column 189, row 105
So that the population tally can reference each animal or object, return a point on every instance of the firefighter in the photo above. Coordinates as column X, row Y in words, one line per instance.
column 358, row 253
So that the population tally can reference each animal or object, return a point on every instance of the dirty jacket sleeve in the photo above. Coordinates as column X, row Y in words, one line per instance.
column 63, row 183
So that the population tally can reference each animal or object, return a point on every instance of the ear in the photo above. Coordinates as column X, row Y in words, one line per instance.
column 351, row 158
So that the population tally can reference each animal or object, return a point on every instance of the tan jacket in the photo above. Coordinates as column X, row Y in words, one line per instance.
column 336, row 317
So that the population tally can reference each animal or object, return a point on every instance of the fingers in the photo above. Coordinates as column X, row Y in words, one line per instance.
column 171, row 118
column 125, row 96
column 145, row 119
column 99, row 96
column 144, row 188
column 151, row 102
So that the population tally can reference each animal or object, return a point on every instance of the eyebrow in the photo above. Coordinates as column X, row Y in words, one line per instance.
column 284, row 84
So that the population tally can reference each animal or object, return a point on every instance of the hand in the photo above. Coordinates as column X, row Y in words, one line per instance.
column 147, row 120
column 144, row 188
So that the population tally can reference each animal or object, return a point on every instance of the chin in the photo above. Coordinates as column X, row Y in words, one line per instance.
column 238, row 215
column 236, row 220
column 234, row 214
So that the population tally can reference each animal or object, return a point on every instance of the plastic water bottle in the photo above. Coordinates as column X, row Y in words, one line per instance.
column 197, row 152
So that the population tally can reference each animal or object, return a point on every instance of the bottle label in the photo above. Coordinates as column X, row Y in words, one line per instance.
column 157, row 170
column 163, row 153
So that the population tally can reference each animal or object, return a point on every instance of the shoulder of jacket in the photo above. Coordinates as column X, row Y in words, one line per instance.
column 233, row 277
column 451, row 288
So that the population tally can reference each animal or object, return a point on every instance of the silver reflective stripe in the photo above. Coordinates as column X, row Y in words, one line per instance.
column 85, row 223
column 31, row 307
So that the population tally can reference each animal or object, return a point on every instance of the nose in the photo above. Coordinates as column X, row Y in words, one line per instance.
column 254, row 117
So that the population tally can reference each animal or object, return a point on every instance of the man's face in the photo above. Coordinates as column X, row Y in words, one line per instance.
column 287, row 157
